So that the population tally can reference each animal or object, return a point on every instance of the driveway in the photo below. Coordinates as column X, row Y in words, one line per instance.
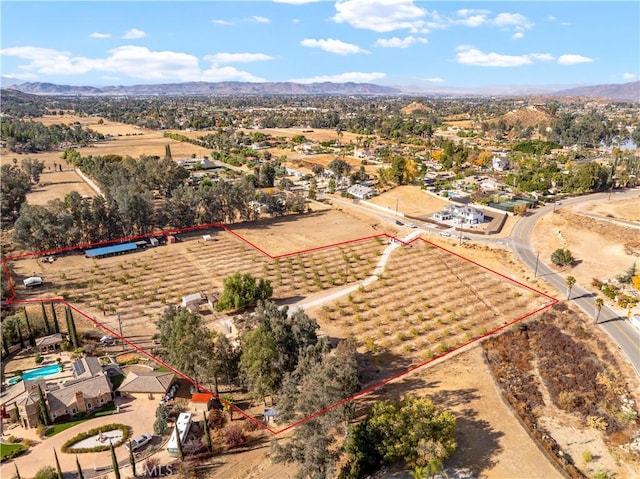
column 139, row 414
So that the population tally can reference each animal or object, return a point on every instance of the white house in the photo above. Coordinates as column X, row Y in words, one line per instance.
column 464, row 213
column 499, row 163
column 361, row 192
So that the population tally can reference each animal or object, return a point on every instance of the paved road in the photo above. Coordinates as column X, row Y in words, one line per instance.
column 621, row 331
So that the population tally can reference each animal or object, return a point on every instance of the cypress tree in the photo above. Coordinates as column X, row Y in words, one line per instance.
column 17, row 472
column 167, row 153
column 71, row 325
column 132, row 460
column 32, row 338
column 207, row 435
column 47, row 326
column 80, row 475
column 44, row 413
column 5, row 344
column 56, row 325
column 179, row 444
column 60, row 476
column 114, row 461
column 19, row 329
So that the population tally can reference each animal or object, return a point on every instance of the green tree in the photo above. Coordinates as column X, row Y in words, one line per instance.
column 599, row 303
column 162, row 420
column 167, row 153
column 47, row 326
column 339, row 167
column 398, row 169
column 56, row 325
column 71, row 328
column 47, row 472
column 81, row 475
column 242, row 290
column 570, row 281
column 322, row 379
column 258, row 361
column 132, row 459
column 562, row 257
column 58, row 470
column 114, row 462
column 412, row 430
column 33, row 168
column 179, row 444
column 30, row 331
column 14, row 187
column 42, row 403
column 207, row 434
column 188, row 344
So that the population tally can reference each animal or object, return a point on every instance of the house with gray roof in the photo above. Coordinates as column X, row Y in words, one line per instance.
column 79, row 396
column 140, row 384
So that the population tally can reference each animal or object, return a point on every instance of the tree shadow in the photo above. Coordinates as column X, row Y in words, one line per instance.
column 478, row 442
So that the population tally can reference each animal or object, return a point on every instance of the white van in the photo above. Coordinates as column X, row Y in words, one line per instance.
column 33, row 282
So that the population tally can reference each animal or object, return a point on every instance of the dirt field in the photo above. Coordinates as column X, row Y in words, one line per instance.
column 617, row 247
column 626, row 209
column 57, row 185
column 127, row 140
column 410, row 200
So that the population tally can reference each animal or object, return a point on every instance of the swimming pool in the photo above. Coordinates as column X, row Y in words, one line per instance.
column 39, row 373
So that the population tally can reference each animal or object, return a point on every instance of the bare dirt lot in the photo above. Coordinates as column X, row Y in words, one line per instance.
column 602, row 249
column 56, row 185
column 410, row 200
column 625, row 209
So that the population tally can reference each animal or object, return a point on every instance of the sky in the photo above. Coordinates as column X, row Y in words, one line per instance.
column 446, row 44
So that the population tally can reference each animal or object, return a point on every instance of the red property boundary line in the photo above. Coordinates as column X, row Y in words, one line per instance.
column 12, row 300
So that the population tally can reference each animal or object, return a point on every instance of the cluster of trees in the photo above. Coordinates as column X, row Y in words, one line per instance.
column 139, row 196
column 412, row 430
column 16, row 183
column 241, row 290
column 589, row 130
column 31, row 136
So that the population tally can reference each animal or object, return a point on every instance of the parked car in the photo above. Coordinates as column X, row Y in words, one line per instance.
column 139, row 441
column 33, row 282
column 445, row 233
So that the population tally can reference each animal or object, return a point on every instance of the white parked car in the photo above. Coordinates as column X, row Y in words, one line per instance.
column 445, row 233
column 139, row 441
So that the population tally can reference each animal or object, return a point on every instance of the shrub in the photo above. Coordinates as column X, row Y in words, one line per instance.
column 13, row 439
column 234, row 436
column 46, row 472
column 562, row 257
column 67, row 446
column 39, row 358
column 216, row 419
column 587, row 456
column 597, row 422
column 568, row 400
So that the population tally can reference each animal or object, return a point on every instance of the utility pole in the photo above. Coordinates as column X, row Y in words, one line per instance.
column 397, row 205
column 460, row 242
column 535, row 273
column 120, row 325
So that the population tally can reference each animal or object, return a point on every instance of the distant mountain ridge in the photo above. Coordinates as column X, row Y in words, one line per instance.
column 616, row 91
column 206, row 88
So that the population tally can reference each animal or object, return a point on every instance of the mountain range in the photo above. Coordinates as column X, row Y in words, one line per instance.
column 617, row 91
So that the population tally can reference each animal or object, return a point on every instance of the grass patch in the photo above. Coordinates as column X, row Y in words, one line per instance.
column 8, row 451
column 63, row 426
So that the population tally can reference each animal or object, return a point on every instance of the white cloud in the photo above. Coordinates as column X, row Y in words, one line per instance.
column 573, row 59
column 468, row 55
column 258, row 19
column 134, row 34
column 629, row 76
column 517, row 35
column 221, row 22
column 396, row 42
column 434, row 80
column 295, row 20
column 381, row 15
column 132, row 61
column 224, row 57
column 551, row 18
column 100, row 35
column 333, row 46
column 356, row 77
column 20, row 76
column 472, row 17
column 512, row 20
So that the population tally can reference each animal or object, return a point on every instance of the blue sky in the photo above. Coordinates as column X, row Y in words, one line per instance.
column 394, row 42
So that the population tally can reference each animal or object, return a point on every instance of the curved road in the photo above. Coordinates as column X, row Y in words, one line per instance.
column 621, row 331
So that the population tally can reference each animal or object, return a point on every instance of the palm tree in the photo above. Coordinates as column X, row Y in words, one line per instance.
column 599, row 305
column 570, row 282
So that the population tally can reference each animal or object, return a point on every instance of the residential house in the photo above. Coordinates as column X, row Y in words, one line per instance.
column 86, row 367
column 361, row 192
column 499, row 163
column 79, row 396
column 463, row 213
column 144, row 384
column 47, row 344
